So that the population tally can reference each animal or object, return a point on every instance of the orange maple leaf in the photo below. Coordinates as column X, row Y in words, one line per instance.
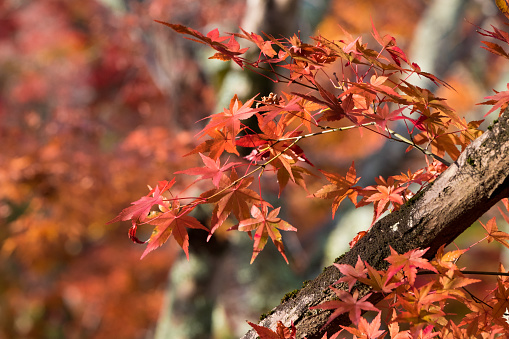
column 339, row 189
column 367, row 330
column 494, row 234
column 221, row 141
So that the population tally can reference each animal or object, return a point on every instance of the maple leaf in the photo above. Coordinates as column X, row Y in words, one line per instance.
column 230, row 198
column 282, row 332
column 266, row 225
column 212, row 169
column 356, row 239
column 494, row 234
column 171, row 222
column 501, row 300
column 297, row 174
column 265, row 46
column 230, row 118
column 384, row 193
column 417, row 177
column 394, row 331
column 221, row 141
column 451, row 278
column 141, row 208
column 346, row 303
column 379, row 282
column 496, row 34
column 451, row 330
column 213, row 35
column 383, row 116
column 351, row 274
column 335, row 105
column 292, row 105
column 228, row 51
column 453, row 281
column 339, row 189
column 505, row 202
column 367, row 330
column 420, row 305
column 499, row 100
column 276, row 144
column 301, row 110
column 409, row 262
column 447, row 260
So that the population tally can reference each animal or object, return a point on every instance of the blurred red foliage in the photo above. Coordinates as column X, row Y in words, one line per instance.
column 84, row 128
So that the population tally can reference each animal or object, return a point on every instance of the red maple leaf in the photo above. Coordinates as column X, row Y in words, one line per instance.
column 297, row 174
column 499, row 100
column 351, row 274
column 496, row 34
column 446, row 261
column 265, row 46
column 409, row 262
column 171, row 222
column 282, row 332
column 213, row 35
column 266, row 225
column 228, row 51
column 230, row 118
column 275, row 143
column 212, row 170
column 356, row 239
column 141, row 208
column 383, row 116
column 346, row 303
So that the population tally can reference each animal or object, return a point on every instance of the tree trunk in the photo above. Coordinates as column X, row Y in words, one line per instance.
column 446, row 208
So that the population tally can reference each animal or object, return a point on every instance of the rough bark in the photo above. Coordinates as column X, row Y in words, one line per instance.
column 455, row 200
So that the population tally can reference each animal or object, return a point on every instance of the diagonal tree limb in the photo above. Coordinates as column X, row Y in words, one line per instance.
column 439, row 214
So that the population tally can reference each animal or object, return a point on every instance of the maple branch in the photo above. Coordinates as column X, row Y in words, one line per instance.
column 401, row 138
column 443, row 210
column 327, row 130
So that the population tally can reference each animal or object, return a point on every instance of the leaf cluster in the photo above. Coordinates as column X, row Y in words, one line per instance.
column 420, row 303
column 372, row 94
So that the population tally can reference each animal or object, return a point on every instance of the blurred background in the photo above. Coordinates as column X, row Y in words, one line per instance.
column 97, row 101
